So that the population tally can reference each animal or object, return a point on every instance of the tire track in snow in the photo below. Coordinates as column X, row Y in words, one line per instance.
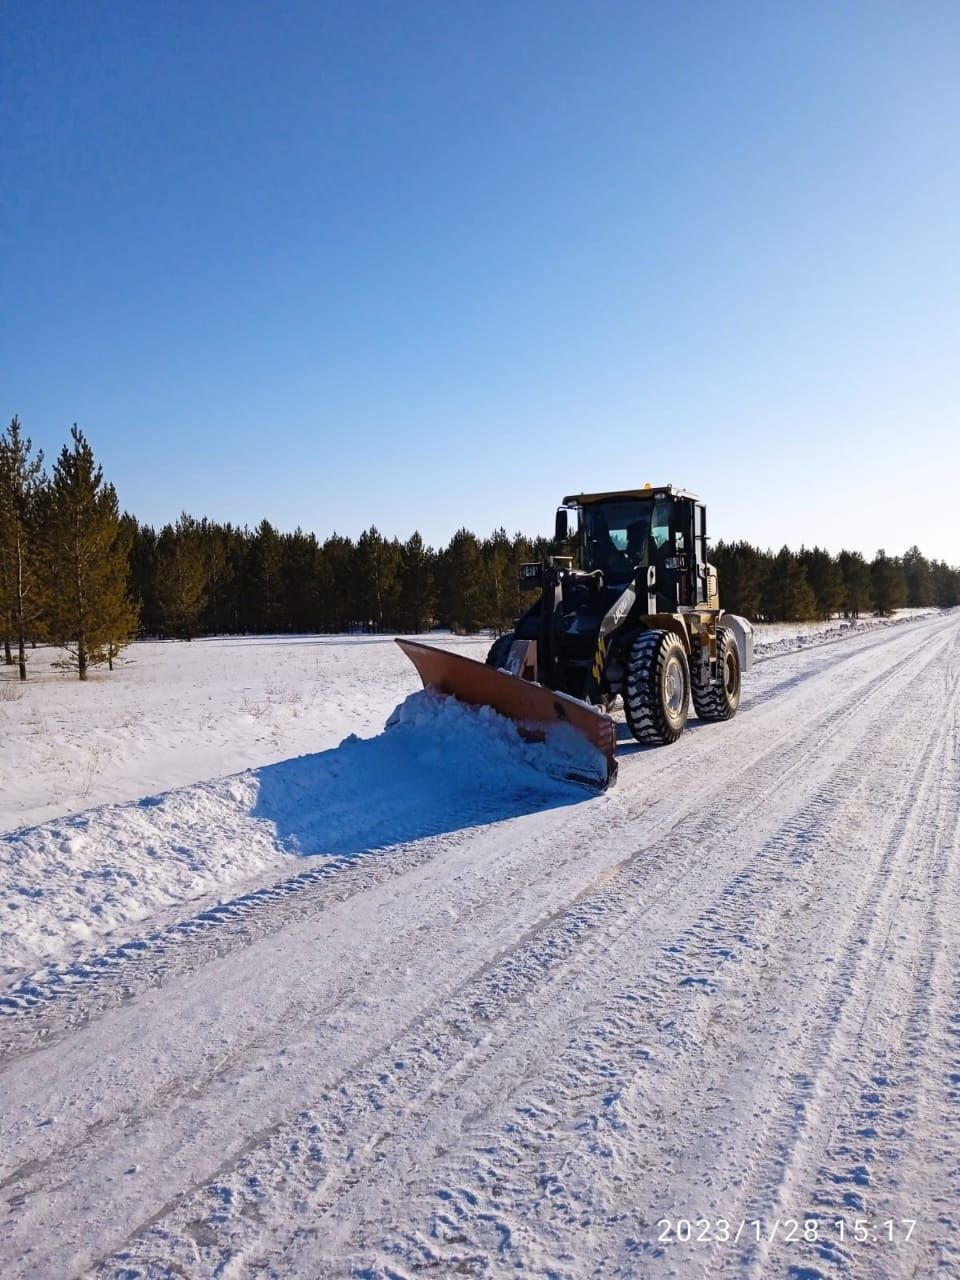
column 710, row 944
column 205, row 1076
column 851, row 1046
column 878, row 1047
column 713, row 938
column 686, row 1266
column 748, row 1186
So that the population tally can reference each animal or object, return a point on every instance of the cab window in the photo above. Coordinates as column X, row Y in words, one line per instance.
column 660, row 525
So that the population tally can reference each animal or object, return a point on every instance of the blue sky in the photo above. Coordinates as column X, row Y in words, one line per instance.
column 432, row 264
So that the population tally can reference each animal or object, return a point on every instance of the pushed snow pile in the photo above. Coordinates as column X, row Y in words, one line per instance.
column 564, row 751
column 439, row 767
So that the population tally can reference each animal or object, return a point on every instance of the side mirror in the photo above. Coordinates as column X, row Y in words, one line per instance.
column 561, row 529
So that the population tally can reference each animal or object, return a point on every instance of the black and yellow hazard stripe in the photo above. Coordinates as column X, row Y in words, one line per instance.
column 599, row 659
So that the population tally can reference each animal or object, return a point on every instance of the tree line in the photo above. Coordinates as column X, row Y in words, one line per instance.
column 198, row 577
column 793, row 586
column 77, row 573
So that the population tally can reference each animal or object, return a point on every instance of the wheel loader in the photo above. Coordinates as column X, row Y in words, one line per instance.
column 632, row 614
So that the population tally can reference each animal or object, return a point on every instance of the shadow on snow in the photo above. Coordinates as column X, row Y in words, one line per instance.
column 406, row 784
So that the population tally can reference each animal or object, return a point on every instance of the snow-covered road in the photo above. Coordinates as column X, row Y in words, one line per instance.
column 544, row 1036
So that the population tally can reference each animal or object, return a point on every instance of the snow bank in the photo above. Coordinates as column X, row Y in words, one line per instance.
column 788, row 637
column 175, row 713
column 439, row 766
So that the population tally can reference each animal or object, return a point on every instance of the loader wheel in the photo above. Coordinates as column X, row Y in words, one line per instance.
column 720, row 701
column 500, row 649
column 656, row 689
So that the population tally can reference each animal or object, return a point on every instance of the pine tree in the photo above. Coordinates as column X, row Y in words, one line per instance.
column 946, row 583
column 142, row 578
column 181, row 576
column 415, row 601
column 228, row 607
column 888, row 586
column 301, row 578
column 826, row 580
column 91, row 614
column 265, row 567
column 787, row 595
column 339, row 606
column 119, row 634
column 857, row 585
column 21, row 483
column 919, row 579
column 6, row 599
column 461, row 583
column 214, row 552
column 377, row 568
column 741, row 571
column 500, row 608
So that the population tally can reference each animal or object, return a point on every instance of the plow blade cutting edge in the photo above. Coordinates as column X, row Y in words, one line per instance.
column 532, row 707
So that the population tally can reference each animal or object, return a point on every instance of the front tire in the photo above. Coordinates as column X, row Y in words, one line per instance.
column 656, row 694
column 720, row 701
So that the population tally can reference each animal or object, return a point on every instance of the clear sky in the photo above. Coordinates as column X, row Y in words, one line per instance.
column 432, row 264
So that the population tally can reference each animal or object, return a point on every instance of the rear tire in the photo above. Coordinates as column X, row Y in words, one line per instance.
column 656, row 687
column 500, row 649
column 720, row 701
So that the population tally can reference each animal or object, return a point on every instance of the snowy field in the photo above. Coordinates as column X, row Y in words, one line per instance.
column 285, row 992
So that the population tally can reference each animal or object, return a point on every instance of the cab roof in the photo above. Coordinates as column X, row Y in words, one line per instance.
column 648, row 491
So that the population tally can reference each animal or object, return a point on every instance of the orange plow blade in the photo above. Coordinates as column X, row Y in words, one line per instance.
column 533, row 708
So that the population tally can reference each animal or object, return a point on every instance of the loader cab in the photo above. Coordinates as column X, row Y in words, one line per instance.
column 627, row 534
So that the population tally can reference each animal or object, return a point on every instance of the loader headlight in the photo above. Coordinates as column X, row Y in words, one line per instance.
column 529, row 577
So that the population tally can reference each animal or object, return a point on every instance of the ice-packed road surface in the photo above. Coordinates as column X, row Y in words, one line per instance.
column 727, row 989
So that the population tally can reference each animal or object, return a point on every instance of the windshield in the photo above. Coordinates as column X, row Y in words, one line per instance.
column 615, row 536
column 619, row 537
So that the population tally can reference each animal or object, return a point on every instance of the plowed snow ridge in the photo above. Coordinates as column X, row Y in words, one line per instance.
column 515, row 1039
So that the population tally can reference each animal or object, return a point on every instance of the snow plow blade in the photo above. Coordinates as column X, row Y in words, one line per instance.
column 534, row 708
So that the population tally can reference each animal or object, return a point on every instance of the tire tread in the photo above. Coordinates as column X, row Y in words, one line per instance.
column 642, row 702
column 709, row 700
